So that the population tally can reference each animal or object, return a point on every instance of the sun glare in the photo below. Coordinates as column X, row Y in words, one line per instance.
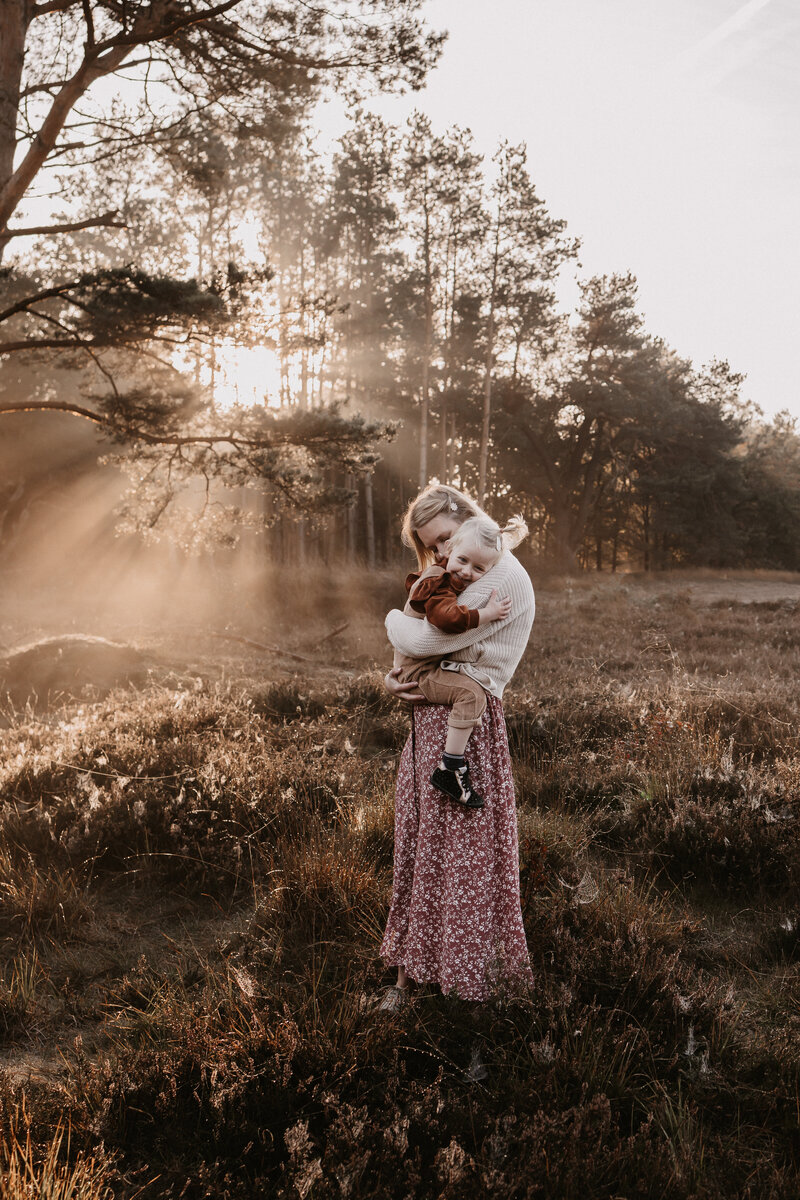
column 247, row 376
column 248, row 233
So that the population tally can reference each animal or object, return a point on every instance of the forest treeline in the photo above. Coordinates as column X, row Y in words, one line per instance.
column 313, row 334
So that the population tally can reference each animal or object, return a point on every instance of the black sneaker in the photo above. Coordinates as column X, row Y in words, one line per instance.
column 457, row 785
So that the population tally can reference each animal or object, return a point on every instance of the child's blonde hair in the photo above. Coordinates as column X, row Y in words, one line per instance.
column 436, row 500
column 486, row 534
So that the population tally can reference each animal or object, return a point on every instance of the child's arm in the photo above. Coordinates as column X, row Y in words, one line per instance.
column 439, row 602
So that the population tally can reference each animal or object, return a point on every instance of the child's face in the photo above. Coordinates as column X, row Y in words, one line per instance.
column 466, row 562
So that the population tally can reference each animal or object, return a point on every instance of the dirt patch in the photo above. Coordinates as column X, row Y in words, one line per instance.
column 48, row 671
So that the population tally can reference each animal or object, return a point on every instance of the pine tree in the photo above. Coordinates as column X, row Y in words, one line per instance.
column 266, row 59
column 524, row 251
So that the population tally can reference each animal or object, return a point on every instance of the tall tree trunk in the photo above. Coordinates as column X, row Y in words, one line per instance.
column 423, row 432
column 646, row 536
column 351, row 521
column 565, row 551
column 330, row 546
column 369, row 521
column 389, row 524
column 451, row 449
column 16, row 18
column 450, row 332
column 282, row 289
column 303, row 330
column 483, row 460
column 443, row 439
column 426, row 360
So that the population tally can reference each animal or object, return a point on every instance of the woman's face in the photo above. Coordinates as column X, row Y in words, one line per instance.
column 437, row 533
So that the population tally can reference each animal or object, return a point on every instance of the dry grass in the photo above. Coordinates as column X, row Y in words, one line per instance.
column 33, row 1173
column 194, row 880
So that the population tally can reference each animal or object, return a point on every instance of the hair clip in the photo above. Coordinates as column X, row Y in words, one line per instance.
column 453, row 506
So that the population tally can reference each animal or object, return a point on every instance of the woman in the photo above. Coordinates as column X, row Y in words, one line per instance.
column 455, row 915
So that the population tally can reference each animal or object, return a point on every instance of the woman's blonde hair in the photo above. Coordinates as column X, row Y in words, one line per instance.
column 487, row 535
column 436, row 500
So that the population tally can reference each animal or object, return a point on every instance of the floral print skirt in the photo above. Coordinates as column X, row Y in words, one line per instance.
column 455, row 916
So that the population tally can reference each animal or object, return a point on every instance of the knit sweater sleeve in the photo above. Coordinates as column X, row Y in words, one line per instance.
column 420, row 639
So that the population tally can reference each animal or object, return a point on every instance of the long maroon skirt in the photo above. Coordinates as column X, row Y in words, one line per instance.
column 455, row 917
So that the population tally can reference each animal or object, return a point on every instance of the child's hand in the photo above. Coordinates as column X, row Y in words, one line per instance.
column 496, row 609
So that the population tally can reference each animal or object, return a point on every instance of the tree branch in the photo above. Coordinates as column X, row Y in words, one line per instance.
column 47, row 6
column 84, row 345
column 37, row 344
column 51, row 6
column 55, row 406
column 35, row 88
column 268, row 441
column 89, row 19
column 106, row 220
column 46, row 294
column 99, row 60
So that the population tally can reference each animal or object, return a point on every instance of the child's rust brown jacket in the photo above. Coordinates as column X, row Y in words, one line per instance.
column 434, row 593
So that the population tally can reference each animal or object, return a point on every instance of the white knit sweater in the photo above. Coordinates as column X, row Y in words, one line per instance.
column 490, row 653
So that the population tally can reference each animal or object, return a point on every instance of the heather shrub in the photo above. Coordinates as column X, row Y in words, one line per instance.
column 614, row 952
column 190, row 795
column 729, row 828
column 286, row 700
column 323, row 890
column 781, row 939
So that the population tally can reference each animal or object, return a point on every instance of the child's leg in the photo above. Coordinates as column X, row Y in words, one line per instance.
column 456, row 740
column 466, row 698
column 468, row 701
column 469, row 705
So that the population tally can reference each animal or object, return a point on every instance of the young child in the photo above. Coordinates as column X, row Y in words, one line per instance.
column 473, row 550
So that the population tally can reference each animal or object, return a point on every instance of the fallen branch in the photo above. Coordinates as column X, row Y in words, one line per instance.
column 332, row 634
column 264, row 646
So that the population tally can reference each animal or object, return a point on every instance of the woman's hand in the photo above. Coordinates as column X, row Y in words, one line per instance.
column 407, row 692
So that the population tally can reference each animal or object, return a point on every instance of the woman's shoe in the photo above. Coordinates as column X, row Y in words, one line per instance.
column 393, row 999
column 457, row 785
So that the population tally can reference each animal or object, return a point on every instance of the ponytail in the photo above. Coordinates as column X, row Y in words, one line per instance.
column 513, row 532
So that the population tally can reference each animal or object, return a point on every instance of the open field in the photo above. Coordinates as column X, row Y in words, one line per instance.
column 195, row 873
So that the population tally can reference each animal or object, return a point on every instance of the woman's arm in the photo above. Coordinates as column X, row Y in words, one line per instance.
column 419, row 639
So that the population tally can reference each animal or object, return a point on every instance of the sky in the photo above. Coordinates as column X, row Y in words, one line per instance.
column 665, row 133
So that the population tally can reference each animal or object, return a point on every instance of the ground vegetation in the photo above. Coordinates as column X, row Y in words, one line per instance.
column 195, row 873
